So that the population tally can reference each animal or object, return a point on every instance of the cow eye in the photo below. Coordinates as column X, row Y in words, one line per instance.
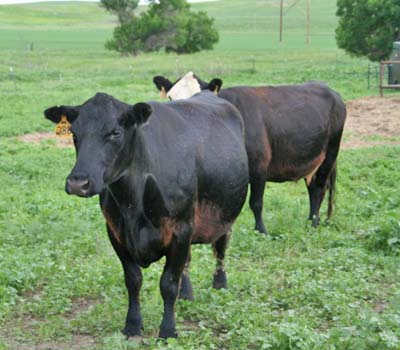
column 115, row 134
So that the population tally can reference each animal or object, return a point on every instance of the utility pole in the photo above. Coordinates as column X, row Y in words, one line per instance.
column 281, row 23
column 308, row 23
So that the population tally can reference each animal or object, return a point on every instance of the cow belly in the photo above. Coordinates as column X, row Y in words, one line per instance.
column 289, row 172
column 208, row 223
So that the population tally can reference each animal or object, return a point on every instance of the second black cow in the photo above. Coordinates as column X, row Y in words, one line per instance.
column 168, row 175
column 292, row 132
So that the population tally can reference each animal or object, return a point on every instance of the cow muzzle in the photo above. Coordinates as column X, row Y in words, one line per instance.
column 79, row 185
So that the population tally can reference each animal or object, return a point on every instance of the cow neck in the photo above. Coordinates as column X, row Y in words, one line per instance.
column 126, row 190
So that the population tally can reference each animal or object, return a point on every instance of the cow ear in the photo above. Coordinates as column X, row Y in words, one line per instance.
column 154, row 206
column 215, row 85
column 54, row 113
column 162, row 83
column 137, row 114
column 142, row 112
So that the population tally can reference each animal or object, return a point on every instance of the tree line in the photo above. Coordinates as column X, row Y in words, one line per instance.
column 366, row 27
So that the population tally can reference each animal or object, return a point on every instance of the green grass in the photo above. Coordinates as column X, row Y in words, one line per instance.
column 301, row 288
column 336, row 287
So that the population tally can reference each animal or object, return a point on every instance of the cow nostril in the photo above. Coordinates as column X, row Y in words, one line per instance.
column 85, row 185
column 78, row 186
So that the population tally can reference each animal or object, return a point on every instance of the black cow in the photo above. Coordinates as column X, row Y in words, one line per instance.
column 168, row 175
column 292, row 132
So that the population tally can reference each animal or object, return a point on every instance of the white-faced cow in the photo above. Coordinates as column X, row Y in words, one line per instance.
column 168, row 175
column 292, row 132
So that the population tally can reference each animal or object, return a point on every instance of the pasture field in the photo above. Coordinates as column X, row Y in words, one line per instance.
column 61, row 285
column 68, row 63
column 335, row 287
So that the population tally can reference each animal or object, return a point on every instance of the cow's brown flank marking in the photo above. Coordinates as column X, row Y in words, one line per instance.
column 316, row 163
column 265, row 155
column 167, row 229
column 208, row 223
column 296, row 172
column 112, row 226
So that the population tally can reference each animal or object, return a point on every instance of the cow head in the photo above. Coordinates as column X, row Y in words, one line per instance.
column 165, row 86
column 102, row 129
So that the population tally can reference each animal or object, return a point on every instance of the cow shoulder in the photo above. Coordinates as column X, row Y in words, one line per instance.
column 154, row 206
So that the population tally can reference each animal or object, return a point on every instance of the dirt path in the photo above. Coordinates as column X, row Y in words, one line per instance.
column 371, row 121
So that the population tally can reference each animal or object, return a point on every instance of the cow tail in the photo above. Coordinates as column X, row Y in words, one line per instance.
column 332, row 189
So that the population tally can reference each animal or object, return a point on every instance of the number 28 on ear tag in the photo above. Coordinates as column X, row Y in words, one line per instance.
column 63, row 128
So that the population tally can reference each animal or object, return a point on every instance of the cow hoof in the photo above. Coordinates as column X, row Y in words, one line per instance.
column 132, row 332
column 261, row 228
column 167, row 333
column 220, row 281
column 186, row 295
column 315, row 221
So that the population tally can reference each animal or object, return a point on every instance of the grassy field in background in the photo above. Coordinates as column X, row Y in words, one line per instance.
column 61, row 285
column 68, row 63
column 252, row 25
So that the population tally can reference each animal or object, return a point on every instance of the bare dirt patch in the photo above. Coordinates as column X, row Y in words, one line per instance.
column 38, row 137
column 77, row 342
column 80, row 306
column 371, row 121
column 13, row 334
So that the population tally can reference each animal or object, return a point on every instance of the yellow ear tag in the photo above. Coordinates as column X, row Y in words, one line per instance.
column 163, row 93
column 63, row 128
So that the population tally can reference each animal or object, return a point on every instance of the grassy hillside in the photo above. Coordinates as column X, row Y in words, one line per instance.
column 60, row 25
column 252, row 25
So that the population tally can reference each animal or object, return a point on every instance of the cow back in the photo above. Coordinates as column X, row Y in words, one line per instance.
column 286, row 127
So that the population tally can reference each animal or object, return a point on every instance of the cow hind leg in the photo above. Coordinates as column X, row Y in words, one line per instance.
column 186, row 291
column 256, row 203
column 325, row 177
column 219, row 248
column 316, row 194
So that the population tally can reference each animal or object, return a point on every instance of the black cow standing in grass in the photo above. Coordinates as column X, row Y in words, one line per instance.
column 292, row 132
column 168, row 175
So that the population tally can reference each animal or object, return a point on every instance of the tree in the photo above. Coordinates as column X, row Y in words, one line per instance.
column 124, row 9
column 198, row 34
column 169, row 25
column 368, row 27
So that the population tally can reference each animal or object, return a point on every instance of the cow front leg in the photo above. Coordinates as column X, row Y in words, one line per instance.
column 133, row 283
column 186, row 291
column 177, row 255
column 219, row 248
column 256, row 203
